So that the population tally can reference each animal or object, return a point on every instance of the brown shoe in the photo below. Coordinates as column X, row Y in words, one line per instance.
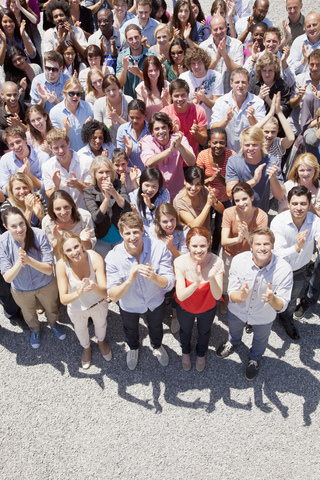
column 200, row 366
column 186, row 365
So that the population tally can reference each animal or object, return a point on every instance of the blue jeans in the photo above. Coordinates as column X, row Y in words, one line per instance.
column 204, row 322
column 299, row 278
column 154, row 321
column 260, row 339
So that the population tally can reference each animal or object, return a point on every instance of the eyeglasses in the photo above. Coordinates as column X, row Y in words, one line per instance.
column 74, row 94
column 179, row 52
column 51, row 69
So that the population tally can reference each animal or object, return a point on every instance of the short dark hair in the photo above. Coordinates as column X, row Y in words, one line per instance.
column 57, row 5
column 194, row 172
column 132, row 27
column 261, row 231
column 242, row 187
column 274, row 30
column 218, row 130
column 90, row 127
column 177, row 84
column 160, row 117
column 299, row 191
column 13, row 131
column 314, row 54
column 137, row 105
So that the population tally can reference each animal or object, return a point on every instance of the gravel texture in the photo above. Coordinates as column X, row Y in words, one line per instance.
column 60, row 422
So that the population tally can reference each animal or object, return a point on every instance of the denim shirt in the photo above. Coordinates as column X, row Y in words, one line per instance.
column 28, row 279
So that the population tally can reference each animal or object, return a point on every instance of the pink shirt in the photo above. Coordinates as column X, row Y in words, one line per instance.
column 185, row 121
column 171, row 167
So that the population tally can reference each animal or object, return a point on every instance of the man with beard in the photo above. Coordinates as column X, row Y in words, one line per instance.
column 58, row 12
column 108, row 38
column 12, row 112
column 243, row 26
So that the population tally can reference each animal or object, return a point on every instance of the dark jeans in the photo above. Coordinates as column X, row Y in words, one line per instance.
column 313, row 288
column 204, row 322
column 299, row 278
column 10, row 308
column 154, row 322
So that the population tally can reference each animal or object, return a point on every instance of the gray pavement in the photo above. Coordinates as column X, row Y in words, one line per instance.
column 60, row 422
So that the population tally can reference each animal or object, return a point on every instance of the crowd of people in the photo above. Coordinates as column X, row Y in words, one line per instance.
column 141, row 152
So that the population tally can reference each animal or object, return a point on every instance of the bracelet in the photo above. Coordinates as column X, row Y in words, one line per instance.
column 216, row 203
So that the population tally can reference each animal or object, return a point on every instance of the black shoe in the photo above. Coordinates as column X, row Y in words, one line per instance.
column 252, row 369
column 248, row 328
column 18, row 321
column 225, row 350
column 291, row 331
column 301, row 308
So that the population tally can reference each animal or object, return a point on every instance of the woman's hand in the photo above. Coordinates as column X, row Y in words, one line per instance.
column 38, row 208
column 243, row 231
column 3, row 37
column 66, row 124
column 56, row 231
column 128, row 143
column 197, row 274
column 45, row 147
column 176, row 33
column 134, row 209
column 264, row 92
column 109, row 188
column 169, row 241
column 22, row 28
column 187, row 31
column 29, row 202
column 133, row 173
column 112, row 115
column 147, row 201
column 90, row 285
column 81, row 287
column 23, row 257
column 85, row 235
column 105, row 67
column 23, row 84
column 212, row 197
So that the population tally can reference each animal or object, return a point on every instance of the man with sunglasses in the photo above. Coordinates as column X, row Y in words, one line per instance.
column 46, row 88
column 108, row 38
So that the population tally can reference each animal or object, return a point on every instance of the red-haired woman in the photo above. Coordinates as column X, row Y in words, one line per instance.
column 199, row 276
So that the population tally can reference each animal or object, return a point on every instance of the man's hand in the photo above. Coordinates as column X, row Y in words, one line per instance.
column 272, row 171
column 258, row 173
column 244, row 292
column 269, row 295
column 301, row 239
column 56, row 178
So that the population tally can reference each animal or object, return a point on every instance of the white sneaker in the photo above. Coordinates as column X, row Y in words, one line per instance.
column 132, row 359
column 162, row 356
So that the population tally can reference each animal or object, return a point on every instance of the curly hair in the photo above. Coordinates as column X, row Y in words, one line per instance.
column 268, row 58
column 57, row 5
column 90, row 127
column 160, row 117
column 196, row 54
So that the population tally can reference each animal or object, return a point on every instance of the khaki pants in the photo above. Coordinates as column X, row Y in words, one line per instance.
column 48, row 297
column 80, row 318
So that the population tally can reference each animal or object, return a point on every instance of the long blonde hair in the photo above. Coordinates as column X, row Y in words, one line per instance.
column 305, row 159
column 19, row 177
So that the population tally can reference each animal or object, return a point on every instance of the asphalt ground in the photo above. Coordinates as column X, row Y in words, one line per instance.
column 61, row 422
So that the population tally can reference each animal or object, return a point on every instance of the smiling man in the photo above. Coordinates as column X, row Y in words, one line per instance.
column 237, row 109
column 139, row 273
column 305, row 44
column 296, row 230
column 259, row 287
column 12, row 112
column 256, row 167
column 107, row 35
column 144, row 21
column 167, row 151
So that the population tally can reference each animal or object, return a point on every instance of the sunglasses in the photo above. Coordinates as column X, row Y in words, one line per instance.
column 74, row 94
column 51, row 69
column 179, row 52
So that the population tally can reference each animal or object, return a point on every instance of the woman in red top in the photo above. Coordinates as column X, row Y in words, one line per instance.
column 214, row 161
column 199, row 276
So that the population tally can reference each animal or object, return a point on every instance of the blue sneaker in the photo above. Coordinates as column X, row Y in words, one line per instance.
column 35, row 340
column 59, row 332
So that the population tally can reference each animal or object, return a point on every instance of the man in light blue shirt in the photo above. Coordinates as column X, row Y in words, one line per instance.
column 46, row 88
column 305, row 44
column 144, row 21
column 21, row 158
column 139, row 272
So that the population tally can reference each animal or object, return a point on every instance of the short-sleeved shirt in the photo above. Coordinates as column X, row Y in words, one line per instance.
column 182, row 203
column 229, row 220
column 185, row 121
column 239, row 170
column 203, row 161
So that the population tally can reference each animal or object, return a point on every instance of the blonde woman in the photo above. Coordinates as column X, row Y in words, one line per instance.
column 305, row 171
column 94, row 85
column 163, row 38
column 22, row 196
column 83, row 288
column 72, row 113
column 106, row 199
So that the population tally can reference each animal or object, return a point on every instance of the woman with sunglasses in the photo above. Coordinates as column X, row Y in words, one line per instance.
column 72, row 113
column 175, row 66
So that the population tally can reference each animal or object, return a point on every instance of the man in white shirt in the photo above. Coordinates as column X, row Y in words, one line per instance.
column 295, row 231
column 237, row 109
column 66, row 170
column 260, row 285
column 58, row 12
column 225, row 52
column 305, row 44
